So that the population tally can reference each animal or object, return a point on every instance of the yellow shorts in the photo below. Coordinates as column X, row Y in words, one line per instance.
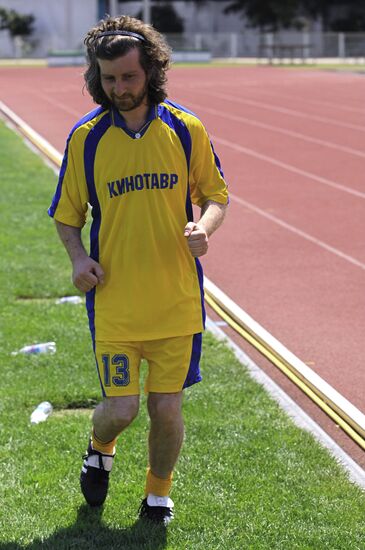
column 173, row 364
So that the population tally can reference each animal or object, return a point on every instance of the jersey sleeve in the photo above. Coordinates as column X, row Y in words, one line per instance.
column 70, row 201
column 206, row 176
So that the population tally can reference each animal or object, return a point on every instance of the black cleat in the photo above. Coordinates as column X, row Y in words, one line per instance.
column 94, row 478
column 157, row 509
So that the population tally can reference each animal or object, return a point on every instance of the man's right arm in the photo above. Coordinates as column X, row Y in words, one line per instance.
column 86, row 272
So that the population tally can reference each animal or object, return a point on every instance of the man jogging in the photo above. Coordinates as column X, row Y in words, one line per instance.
column 140, row 161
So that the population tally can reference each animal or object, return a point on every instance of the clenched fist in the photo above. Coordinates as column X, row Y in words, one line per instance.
column 197, row 239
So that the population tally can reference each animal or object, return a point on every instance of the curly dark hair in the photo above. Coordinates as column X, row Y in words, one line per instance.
column 155, row 55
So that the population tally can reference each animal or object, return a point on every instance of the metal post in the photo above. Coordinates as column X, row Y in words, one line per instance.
column 269, row 46
column 306, row 45
column 68, row 25
column 234, row 44
column 198, row 41
column 147, row 11
column 113, row 6
column 341, row 45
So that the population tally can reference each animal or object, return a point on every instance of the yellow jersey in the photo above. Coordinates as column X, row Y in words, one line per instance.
column 141, row 187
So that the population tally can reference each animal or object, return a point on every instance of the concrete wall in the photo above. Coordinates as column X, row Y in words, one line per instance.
column 59, row 24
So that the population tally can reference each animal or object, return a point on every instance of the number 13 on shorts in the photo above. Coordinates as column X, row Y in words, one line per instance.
column 118, row 364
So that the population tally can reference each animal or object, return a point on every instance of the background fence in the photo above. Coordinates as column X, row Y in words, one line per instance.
column 247, row 44
column 252, row 44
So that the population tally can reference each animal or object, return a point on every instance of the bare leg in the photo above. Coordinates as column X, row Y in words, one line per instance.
column 166, row 432
column 113, row 415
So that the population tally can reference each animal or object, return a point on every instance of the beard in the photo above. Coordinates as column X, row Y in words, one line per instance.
column 128, row 102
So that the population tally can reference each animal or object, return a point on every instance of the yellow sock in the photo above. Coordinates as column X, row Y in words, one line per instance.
column 156, row 485
column 105, row 448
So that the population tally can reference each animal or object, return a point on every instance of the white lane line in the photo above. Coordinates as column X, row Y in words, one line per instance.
column 241, row 84
column 329, row 104
column 298, row 232
column 285, row 111
column 275, row 108
column 57, row 104
column 289, row 167
column 270, row 127
column 296, row 413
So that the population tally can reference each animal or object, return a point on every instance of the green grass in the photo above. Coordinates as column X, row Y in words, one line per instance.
column 247, row 477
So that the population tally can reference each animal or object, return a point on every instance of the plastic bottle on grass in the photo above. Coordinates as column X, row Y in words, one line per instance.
column 70, row 300
column 46, row 347
column 41, row 413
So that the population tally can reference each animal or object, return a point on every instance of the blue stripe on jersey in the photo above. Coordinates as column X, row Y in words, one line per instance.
column 56, row 199
column 194, row 375
column 179, row 128
column 189, row 206
column 57, row 195
column 185, row 110
column 91, row 145
column 183, row 133
column 185, row 138
column 199, row 271
column 217, row 161
column 180, row 107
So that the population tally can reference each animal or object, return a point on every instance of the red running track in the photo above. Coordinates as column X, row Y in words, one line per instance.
column 291, row 252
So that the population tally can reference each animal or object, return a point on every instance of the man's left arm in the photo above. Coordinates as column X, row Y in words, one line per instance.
column 197, row 234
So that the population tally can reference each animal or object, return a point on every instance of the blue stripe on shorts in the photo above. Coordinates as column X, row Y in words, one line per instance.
column 194, row 375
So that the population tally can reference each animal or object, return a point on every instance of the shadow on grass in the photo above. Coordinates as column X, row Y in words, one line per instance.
column 89, row 533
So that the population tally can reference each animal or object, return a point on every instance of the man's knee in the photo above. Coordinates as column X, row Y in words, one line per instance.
column 119, row 412
column 164, row 407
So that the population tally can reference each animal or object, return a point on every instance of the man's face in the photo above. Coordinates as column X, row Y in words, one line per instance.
column 124, row 81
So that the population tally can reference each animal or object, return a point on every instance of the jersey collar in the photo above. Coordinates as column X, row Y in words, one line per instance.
column 117, row 119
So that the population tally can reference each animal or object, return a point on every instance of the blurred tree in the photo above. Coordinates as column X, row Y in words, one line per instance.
column 274, row 14
column 353, row 21
column 165, row 18
column 3, row 19
column 321, row 9
column 200, row 3
column 269, row 15
column 17, row 24
column 352, row 12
